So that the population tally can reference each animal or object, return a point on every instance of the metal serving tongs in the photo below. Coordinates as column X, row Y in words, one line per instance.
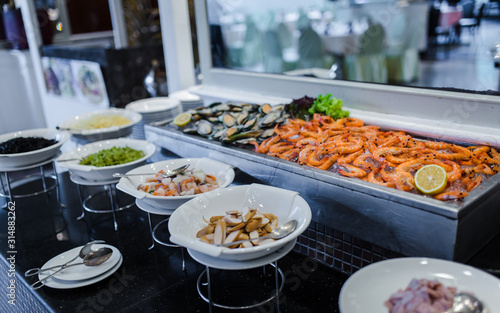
column 86, row 249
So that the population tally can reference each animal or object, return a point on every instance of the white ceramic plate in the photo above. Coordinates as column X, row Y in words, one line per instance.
column 368, row 289
column 316, row 72
column 93, row 173
column 64, row 284
column 80, row 272
column 186, row 97
column 146, row 207
column 153, row 105
column 187, row 220
column 33, row 157
column 102, row 133
column 241, row 265
column 85, row 182
column 223, row 173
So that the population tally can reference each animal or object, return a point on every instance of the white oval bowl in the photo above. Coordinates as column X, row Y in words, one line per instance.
column 223, row 173
column 105, row 173
column 99, row 134
column 35, row 156
column 287, row 205
column 358, row 294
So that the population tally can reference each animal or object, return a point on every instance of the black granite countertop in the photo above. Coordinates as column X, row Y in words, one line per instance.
column 153, row 280
column 148, row 280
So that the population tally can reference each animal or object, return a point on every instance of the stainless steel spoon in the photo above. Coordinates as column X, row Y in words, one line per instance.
column 94, row 258
column 280, row 232
column 466, row 303
column 86, row 249
column 167, row 174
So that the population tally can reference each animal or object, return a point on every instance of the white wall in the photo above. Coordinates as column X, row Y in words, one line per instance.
column 20, row 104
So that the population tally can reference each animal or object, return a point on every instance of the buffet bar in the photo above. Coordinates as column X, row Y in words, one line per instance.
column 253, row 182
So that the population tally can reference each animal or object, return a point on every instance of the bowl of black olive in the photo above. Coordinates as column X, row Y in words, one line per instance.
column 29, row 147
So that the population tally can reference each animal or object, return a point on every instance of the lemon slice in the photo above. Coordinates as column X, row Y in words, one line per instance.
column 431, row 179
column 182, row 119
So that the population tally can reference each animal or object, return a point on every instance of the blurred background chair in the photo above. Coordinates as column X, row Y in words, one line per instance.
column 493, row 7
column 437, row 36
column 303, row 21
column 468, row 8
column 272, row 52
column 403, row 61
column 470, row 21
column 370, row 64
column 289, row 47
column 284, row 36
column 252, row 51
column 310, row 50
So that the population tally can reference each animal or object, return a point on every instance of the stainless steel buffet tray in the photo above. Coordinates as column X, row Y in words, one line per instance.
column 403, row 222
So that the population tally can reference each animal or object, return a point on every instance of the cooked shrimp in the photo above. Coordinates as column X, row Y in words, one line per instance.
column 472, row 183
column 266, row 144
column 351, row 171
column 451, row 195
column 388, row 158
column 279, row 148
column 380, row 152
column 304, row 154
column 361, row 162
column 289, row 154
column 495, row 156
column 307, row 141
column 437, row 145
column 460, row 153
column 372, row 178
column 409, row 166
column 404, row 181
column 312, row 158
column 453, row 170
column 347, row 148
column 328, row 162
column 349, row 158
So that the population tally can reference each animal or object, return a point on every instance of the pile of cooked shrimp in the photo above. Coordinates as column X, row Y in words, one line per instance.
column 387, row 158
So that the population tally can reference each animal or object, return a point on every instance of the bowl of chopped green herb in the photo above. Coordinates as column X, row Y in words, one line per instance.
column 98, row 161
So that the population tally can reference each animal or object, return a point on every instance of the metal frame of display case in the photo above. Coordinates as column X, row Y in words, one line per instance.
column 402, row 222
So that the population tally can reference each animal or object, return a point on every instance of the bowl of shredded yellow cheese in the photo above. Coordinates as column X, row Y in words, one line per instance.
column 101, row 125
column 103, row 121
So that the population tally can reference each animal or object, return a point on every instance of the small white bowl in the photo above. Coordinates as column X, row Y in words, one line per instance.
column 223, row 173
column 105, row 173
column 33, row 157
column 187, row 220
column 101, row 133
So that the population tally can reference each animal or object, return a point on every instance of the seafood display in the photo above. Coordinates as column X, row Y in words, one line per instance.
column 239, row 225
column 235, row 122
column 189, row 182
column 422, row 295
column 388, row 158
column 112, row 156
column 25, row 144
